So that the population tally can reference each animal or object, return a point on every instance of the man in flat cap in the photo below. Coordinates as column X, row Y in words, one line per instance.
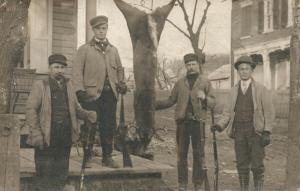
column 51, row 114
column 193, row 95
column 98, row 78
column 248, row 116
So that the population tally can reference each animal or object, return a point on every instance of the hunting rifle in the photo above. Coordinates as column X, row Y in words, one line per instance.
column 123, row 136
column 216, row 176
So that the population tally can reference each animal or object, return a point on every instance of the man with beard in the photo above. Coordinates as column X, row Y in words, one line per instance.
column 248, row 116
column 52, row 111
column 193, row 95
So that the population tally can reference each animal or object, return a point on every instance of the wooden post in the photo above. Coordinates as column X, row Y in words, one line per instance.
column 9, row 153
column 293, row 165
column 91, row 11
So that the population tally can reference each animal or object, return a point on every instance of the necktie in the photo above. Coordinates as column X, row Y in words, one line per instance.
column 244, row 88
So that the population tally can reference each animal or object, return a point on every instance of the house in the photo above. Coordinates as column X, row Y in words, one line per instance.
column 57, row 26
column 220, row 78
column 262, row 29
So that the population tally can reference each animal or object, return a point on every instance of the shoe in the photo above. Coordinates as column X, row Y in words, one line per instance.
column 109, row 162
column 182, row 187
column 88, row 164
column 197, row 187
column 69, row 187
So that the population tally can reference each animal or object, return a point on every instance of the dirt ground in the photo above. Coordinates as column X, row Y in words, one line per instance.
column 164, row 147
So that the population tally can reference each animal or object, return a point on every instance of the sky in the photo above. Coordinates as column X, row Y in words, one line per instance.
column 173, row 44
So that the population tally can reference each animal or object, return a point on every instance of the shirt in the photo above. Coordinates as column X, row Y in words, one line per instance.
column 245, row 85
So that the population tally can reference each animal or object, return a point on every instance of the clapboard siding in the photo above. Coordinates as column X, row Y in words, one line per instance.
column 64, row 29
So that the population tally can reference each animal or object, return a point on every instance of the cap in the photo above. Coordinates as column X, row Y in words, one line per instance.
column 57, row 58
column 98, row 20
column 244, row 60
column 190, row 57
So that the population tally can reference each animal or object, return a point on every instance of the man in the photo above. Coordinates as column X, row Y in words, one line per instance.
column 98, row 78
column 193, row 95
column 248, row 116
column 52, row 108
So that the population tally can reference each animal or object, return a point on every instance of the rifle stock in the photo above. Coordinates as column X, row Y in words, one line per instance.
column 123, row 135
column 216, row 162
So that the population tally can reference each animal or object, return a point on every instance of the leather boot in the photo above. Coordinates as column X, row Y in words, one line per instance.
column 244, row 181
column 107, row 159
column 258, row 182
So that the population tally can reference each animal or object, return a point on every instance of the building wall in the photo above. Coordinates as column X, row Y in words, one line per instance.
column 263, row 27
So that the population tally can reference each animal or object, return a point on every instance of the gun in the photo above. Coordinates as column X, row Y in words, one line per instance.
column 86, row 150
column 206, row 182
column 216, row 162
column 123, row 136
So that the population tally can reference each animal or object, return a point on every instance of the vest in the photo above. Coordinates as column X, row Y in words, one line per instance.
column 244, row 107
column 59, row 101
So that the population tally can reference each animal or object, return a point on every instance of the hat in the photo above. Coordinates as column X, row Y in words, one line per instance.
column 57, row 58
column 244, row 60
column 99, row 20
column 190, row 57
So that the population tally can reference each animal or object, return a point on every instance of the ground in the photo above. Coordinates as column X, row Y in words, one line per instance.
column 164, row 147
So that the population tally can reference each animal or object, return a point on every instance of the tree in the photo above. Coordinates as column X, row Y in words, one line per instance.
column 13, row 35
column 145, row 30
column 293, row 165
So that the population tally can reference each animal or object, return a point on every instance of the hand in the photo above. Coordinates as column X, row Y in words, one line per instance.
column 122, row 87
column 201, row 95
column 216, row 127
column 265, row 138
column 81, row 96
column 92, row 116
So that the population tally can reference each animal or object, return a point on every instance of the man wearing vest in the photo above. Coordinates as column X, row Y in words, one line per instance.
column 98, row 78
column 248, row 116
column 52, row 111
column 193, row 95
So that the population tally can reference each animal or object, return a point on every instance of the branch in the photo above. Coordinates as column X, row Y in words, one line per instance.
column 195, row 7
column 179, row 29
column 203, row 17
column 186, row 17
column 204, row 42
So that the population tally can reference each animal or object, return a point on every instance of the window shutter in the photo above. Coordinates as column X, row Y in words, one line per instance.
column 276, row 15
column 284, row 13
column 246, row 20
column 260, row 16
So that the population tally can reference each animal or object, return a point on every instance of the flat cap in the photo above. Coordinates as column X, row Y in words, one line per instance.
column 57, row 58
column 98, row 20
column 244, row 60
column 190, row 57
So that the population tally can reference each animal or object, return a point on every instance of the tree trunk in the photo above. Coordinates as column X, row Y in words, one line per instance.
column 145, row 31
column 293, row 165
column 13, row 25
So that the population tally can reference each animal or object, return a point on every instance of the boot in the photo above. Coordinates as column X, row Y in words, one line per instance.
column 107, row 159
column 258, row 182
column 244, row 181
column 182, row 187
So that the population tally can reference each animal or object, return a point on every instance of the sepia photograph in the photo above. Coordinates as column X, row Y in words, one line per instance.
column 150, row 95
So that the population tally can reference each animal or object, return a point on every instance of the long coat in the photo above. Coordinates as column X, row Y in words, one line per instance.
column 264, row 113
column 38, row 113
column 90, row 66
column 180, row 94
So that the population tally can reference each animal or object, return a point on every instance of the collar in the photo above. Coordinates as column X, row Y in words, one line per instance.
column 94, row 41
column 246, row 82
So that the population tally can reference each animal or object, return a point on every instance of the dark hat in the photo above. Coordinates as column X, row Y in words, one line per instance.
column 244, row 60
column 57, row 58
column 99, row 20
column 190, row 57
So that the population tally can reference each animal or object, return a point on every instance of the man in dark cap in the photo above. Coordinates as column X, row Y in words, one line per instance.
column 98, row 78
column 248, row 116
column 193, row 95
column 51, row 114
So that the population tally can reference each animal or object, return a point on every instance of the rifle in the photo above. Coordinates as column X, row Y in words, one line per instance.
column 123, row 136
column 206, row 182
column 87, row 141
column 216, row 177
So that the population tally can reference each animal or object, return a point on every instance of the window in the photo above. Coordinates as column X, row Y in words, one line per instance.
column 246, row 21
column 260, row 16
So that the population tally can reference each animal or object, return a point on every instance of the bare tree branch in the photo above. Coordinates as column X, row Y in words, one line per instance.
column 204, row 39
column 208, row 3
column 186, row 17
column 179, row 29
column 195, row 7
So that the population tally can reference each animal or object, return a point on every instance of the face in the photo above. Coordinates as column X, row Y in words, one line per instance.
column 192, row 67
column 57, row 70
column 245, row 71
column 100, row 31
